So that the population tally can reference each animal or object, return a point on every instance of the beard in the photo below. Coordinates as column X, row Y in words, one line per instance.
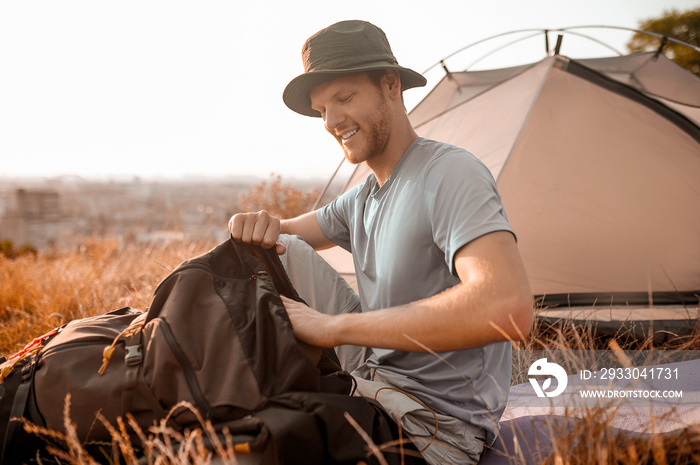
column 374, row 130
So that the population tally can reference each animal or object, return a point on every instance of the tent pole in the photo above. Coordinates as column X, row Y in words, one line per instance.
column 447, row 71
column 499, row 48
column 546, row 42
column 593, row 39
column 567, row 30
column 557, row 47
column 649, row 33
column 328, row 185
column 660, row 50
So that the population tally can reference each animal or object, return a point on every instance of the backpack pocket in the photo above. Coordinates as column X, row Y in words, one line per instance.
column 69, row 364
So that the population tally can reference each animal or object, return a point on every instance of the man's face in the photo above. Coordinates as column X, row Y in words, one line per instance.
column 356, row 113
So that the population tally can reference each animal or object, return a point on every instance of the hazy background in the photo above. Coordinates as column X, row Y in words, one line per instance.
column 163, row 88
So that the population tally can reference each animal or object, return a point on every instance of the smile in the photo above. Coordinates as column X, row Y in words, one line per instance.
column 349, row 134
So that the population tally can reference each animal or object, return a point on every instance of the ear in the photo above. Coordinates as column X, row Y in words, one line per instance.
column 392, row 81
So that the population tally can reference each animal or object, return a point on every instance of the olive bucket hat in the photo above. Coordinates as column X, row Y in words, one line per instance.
column 343, row 48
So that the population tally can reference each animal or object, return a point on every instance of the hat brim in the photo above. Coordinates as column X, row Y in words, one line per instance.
column 296, row 94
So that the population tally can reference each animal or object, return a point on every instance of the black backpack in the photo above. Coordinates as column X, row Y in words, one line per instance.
column 217, row 336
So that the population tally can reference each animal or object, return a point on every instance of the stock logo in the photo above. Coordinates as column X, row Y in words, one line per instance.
column 543, row 368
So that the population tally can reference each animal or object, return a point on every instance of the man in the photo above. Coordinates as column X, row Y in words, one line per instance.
column 440, row 278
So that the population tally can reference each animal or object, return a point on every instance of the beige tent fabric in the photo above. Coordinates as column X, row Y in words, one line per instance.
column 658, row 77
column 602, row 190
column 603, row 197
column 483, row 125
column 446, row 94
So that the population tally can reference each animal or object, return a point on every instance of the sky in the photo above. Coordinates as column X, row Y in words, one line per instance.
column 177, row 89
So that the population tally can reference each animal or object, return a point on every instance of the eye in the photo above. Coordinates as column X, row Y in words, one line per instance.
column 346, row 98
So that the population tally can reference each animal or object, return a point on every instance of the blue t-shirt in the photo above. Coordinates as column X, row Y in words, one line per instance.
column 403, row 237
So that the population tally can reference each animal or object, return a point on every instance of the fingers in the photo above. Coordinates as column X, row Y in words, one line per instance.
column 266, row 230
column 290, row 302
column 308, row 324
column 258, row 228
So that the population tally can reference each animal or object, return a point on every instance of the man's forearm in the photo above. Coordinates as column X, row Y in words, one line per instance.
column 451, row 320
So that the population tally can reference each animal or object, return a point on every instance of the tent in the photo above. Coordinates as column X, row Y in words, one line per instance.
column 598, row 165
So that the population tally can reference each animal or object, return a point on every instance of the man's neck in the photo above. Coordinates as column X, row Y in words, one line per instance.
column 383, row 165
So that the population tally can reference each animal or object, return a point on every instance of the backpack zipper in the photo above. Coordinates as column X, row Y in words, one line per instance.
column 190, row 377
column 90, row 340
column 84, row 340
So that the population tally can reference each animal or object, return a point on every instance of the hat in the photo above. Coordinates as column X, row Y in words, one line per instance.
column 343, row 48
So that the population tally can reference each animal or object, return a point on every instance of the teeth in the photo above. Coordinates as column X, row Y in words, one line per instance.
column 349, row 134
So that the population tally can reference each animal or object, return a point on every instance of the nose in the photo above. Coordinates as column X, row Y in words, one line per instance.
column 333, row 118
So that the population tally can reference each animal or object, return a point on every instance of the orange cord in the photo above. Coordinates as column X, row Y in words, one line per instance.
column 109, row 350
column 29, row 350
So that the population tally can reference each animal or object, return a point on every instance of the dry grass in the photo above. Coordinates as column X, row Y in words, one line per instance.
column 39, row 293
column 160, row 445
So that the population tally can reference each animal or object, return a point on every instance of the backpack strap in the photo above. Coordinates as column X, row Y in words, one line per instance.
column 134, row 380
column 19, row 406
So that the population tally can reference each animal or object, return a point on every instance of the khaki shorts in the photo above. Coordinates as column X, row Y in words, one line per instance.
column 456, row 442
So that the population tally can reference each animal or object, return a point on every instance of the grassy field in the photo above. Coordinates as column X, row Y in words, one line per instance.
column 41, row 292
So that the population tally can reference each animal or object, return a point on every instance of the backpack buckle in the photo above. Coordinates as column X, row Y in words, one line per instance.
column 133, row 356
column 27, row 372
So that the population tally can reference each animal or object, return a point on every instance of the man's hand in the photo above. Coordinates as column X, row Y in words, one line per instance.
column 259, row 228
column 310, row 326
column 263, row 229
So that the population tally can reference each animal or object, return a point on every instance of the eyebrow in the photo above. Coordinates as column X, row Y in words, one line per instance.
column 334, row 96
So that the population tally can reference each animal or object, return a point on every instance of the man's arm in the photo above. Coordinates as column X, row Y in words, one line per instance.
column 263, row 229
column 492, row 303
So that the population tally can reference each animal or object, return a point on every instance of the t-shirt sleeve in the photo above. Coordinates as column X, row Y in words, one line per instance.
column 333, row 219
column 462, row 202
